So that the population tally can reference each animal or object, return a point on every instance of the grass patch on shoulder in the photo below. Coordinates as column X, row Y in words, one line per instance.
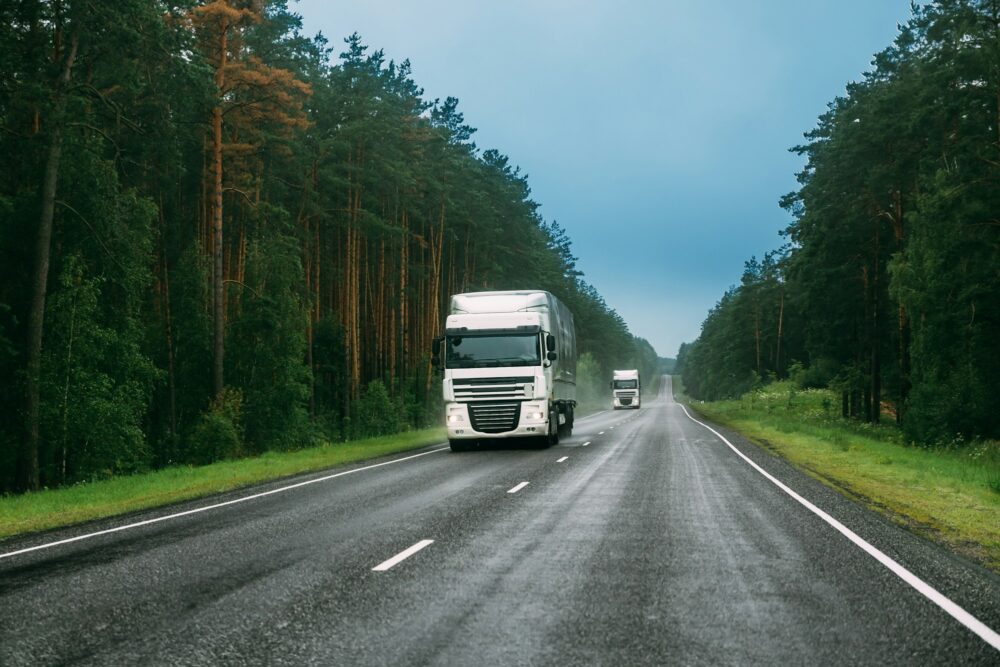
column 47, row 509
column 948, row 493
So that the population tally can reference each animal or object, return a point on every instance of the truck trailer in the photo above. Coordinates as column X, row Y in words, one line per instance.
column 509, row 364
column 626, row 391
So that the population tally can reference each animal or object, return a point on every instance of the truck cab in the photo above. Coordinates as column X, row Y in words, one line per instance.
column 509, row 365
column 626, row 391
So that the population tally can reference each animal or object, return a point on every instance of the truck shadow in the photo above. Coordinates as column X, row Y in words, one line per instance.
column 501, row 444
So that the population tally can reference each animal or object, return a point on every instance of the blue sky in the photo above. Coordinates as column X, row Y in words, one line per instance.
column 655, row 132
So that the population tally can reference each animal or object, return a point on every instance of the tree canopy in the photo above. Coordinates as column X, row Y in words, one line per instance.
column 217, row 237
column 888, row 285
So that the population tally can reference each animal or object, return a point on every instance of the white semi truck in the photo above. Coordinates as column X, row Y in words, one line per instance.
column 626, row 391
column 509, row 361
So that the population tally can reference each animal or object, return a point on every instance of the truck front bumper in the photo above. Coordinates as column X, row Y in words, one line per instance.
column 628, row 402
column 532, row 420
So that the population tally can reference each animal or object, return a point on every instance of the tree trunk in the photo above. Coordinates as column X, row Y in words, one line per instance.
column 781, row 318
column 168, row 321
column 218, row 293
column 434, row 293
column 756, row 336
column 28, row 467
column 875, row 407
column 404, row 260
column 904, row 363
column 902, row 319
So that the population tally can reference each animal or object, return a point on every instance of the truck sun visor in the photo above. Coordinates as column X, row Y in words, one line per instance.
column 523, row 329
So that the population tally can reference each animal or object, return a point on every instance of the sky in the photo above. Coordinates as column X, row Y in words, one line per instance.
column 655, row 131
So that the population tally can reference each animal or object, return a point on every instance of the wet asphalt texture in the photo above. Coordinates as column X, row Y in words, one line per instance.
column 655, row 544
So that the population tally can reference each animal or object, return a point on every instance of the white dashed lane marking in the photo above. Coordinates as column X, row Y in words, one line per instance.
column 401, row 556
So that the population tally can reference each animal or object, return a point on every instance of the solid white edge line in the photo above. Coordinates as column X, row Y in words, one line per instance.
column 562, row 459
column 518, row 487
column 402, row 555
column 984, row 632
column 592, row 414
column 215, row 506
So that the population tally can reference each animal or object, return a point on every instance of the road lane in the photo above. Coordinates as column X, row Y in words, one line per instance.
column 146, row 580
column 657, row 544
column 948, row 606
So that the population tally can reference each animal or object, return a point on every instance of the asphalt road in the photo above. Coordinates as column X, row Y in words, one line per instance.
column 656, row 543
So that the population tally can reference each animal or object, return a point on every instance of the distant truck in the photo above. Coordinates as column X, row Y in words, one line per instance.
column 509, row 362
column 626, row 391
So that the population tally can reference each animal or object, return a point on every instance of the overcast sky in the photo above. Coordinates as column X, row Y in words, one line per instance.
column 655, row 131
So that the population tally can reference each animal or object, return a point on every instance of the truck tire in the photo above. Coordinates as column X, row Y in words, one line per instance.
column 566, row 429
column 553, row 437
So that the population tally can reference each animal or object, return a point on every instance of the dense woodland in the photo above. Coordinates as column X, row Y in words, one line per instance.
column 888, row 289
column 220, row 237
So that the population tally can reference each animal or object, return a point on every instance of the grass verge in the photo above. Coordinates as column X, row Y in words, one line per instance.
column 951, row 494
column 44, row 510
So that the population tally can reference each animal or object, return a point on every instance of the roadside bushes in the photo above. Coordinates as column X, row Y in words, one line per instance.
column 219, row 433
column 376, row 413
column 817, row 375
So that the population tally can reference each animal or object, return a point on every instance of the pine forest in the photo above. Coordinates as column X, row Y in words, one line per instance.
column 888, row 289
column 220, row 237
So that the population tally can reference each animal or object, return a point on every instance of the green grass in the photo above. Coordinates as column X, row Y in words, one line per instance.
column 949, row 493
column 44, row 510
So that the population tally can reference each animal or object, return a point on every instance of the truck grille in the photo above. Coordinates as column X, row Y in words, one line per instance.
column 491, row 389
column 494, row 417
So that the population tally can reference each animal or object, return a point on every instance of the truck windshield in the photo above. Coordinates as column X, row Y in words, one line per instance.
column 493, row 350
column 625, row 384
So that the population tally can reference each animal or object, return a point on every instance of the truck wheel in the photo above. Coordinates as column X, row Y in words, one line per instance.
column 460, row 445
column 566, row 429
column 553, row 437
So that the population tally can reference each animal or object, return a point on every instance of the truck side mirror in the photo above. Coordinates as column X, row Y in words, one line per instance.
column 436, row 351
column 551, row 356
column 550, row 343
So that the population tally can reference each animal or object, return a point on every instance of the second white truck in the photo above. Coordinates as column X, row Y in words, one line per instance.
column 626, row 391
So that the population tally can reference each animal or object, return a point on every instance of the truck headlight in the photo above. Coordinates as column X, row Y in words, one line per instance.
column 536, row 415
column 452, row 419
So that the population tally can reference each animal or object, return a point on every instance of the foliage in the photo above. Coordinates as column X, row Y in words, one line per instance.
column 230, row 195
column 268, row 336
column 218, row 434
column 96, row 385
column 376, row 413
column 745, row 338
column 889, row 282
